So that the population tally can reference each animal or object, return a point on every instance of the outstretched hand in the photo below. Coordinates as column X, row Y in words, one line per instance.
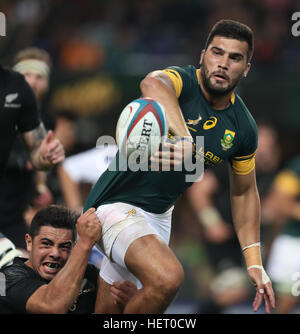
column 264, row 290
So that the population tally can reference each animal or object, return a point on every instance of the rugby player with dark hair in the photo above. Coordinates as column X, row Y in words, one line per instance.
column 135, row 208
column 57, row 278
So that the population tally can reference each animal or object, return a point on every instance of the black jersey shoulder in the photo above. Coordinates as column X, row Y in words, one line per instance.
column 18, row 271
column 11, row 77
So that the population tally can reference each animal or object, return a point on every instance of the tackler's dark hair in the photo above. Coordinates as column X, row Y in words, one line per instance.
column 56, row 216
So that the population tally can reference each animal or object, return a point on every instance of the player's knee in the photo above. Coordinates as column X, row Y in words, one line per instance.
column 168, row 279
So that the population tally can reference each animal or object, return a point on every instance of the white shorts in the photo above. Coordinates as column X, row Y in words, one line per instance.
column 123, row 223
column 284, row 262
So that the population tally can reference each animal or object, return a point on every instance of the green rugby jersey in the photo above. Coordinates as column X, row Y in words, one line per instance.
column 288, row 181
column 229, row 134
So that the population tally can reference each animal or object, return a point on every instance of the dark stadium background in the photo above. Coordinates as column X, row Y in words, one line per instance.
column 102, row 49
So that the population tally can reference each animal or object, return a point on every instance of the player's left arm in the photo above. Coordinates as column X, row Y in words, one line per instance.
column 45, row 150
column 245, row 205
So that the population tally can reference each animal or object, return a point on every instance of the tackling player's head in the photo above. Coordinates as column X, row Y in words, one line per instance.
column 226, row 57
column 51, row 236
column 35, row 64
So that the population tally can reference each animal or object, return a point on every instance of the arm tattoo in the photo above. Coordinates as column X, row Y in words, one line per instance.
column 34, row 137
column 33, row 140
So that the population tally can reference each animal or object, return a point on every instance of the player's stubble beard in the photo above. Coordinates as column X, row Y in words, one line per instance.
column 212, row 89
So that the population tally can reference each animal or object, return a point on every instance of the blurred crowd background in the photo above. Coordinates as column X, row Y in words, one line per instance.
column 100, row 51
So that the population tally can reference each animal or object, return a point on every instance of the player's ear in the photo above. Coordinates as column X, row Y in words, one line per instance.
column 247, row 70
column 28, row 240
column 202, row 56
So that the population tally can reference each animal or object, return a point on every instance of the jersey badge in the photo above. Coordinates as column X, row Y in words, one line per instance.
column 194, row 121
column 9, row 99
column 226, row 141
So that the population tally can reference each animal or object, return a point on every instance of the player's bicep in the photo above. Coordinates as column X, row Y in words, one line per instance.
column 33, row 138
column 36, row 302
column 164, row 78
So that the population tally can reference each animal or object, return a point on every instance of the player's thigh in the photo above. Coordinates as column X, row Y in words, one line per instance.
column 151, row 260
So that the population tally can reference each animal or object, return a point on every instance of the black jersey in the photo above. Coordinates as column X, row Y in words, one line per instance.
column 21, row 282
column 18, row 111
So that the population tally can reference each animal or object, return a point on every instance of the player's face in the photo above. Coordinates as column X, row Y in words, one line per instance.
column 49, row 250
column 38, row 83
column 223, row 65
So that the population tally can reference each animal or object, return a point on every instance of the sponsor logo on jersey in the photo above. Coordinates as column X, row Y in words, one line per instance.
column 9, row 99
column 227, row 140
column 208, row 157
column 210, row 123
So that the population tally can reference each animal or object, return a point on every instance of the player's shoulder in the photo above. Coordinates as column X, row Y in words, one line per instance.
column 185, row 80
column 12, row 77
column 16, row 271
column 246, row 120
column 246, row 128
column 183, row 71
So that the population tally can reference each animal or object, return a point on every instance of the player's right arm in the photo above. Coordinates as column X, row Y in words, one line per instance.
column 59, row 295
column 159, row 86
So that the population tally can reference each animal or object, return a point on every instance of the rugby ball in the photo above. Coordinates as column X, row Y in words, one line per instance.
column 141, row 127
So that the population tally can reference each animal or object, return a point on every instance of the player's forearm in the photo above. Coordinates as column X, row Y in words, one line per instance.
column 246, row 216
column 157, row 87
column 33, row 140
column 65, row 287
column 70, row 190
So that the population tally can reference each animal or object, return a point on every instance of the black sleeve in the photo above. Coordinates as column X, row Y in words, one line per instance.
column 20, row 292
column 29, row 115
column 20, row 285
